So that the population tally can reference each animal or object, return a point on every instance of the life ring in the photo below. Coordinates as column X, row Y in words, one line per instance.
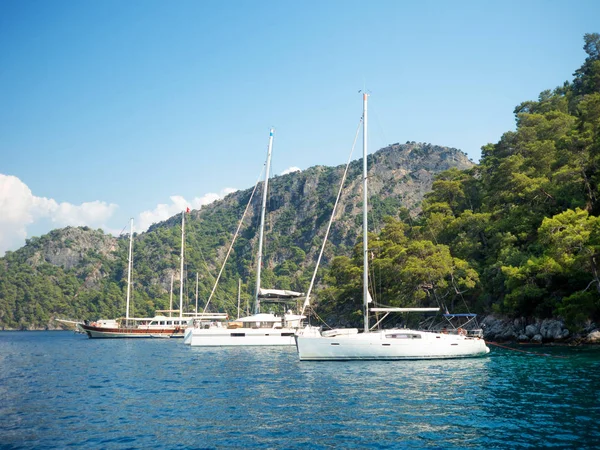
column 462, row 332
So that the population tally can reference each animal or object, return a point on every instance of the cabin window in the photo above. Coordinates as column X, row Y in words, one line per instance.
column 403, row 336
column 238, row 334
column 162, row 322
column 169, row 322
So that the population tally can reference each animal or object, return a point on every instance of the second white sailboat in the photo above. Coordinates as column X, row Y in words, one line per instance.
column 259, row 329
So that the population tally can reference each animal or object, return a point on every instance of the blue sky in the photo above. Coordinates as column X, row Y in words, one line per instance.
column 139, row 108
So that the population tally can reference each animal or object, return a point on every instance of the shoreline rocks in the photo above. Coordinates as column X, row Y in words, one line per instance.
column 536, row 331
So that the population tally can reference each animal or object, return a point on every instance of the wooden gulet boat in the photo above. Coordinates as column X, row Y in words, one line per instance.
column 159, row 326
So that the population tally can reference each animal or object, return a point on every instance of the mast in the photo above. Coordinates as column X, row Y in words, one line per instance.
column 262, row 223
column 239, row 289
column 171, row 301
column 365, row 217
column 196, row 310
column 181, row 269
column 129, row 267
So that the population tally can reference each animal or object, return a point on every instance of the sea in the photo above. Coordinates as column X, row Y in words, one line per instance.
column 62, row 390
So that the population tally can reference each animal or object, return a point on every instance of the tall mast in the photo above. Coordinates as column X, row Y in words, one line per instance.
column 196, row 310
column 262, row 223
column 239, row 289
column 181, row 269
column 171, row 301
column 129, row 267
column 365, row 237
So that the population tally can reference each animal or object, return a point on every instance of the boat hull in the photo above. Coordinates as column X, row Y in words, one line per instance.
column 225, row 337
column 387, row 345
column 116, row 333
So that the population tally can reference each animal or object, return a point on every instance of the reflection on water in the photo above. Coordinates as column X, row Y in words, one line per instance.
column 59, row 389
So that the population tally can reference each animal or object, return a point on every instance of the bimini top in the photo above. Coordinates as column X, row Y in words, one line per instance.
column 278, row 293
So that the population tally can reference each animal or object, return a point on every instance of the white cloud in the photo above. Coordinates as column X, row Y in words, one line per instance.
column 290, row 170
column 88, row 213
column 19, row 208
column 178, row 204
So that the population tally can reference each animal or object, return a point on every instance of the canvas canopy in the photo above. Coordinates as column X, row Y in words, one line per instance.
column 278, row 293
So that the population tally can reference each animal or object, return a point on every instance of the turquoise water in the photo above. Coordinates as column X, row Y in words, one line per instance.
column 59, row 390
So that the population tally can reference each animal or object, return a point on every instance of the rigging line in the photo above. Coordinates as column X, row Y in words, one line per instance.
column 196, row 245
column 452, row 275
column 232, row 242
column 256, row 217
column 205, row 263
column 321, row 319
column 187, row 286
column 372, row 277
column 339, row 194
column 462, row 297
column 525, row 351
column 122, row 230
column 376, row 217
column 435, row 294
column 206, row 267
column 373, row 112
column 224, row 301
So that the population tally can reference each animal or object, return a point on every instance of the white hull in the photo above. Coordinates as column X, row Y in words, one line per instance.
column 387, row 345
column 231, row 337
column 263, row 329
column 187, row 335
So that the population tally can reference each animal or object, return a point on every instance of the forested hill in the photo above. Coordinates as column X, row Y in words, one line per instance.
column 81, row 273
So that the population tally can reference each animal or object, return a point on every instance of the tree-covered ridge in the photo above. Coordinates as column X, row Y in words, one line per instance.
column 81, row 273
column 518, row 234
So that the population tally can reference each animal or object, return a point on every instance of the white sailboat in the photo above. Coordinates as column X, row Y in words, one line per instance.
column 259, row 329
column 392, row 344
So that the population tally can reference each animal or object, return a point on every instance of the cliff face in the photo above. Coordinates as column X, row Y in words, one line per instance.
column 79, row 272
column 68, row 247
column 399, row 177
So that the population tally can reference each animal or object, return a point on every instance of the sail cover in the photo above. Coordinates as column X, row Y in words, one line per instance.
column 278, row 293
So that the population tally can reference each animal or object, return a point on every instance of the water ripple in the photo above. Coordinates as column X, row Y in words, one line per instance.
column 62, row 390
